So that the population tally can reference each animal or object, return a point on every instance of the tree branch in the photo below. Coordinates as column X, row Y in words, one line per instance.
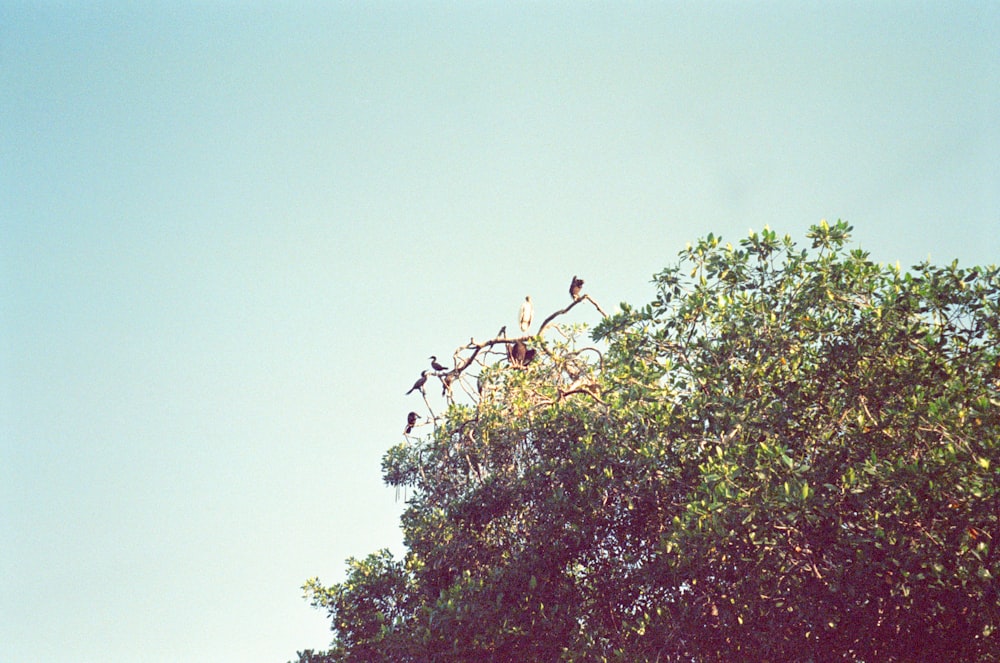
column 545, row 323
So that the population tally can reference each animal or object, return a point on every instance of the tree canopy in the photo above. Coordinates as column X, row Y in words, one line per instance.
column 789, row 454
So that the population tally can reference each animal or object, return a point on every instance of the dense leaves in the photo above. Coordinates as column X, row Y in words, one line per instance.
column 788, row 455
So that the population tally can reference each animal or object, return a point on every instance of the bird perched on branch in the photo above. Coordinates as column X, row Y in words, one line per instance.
column 526, row 314
column 519, row 354
column 503, row 332
column 446, row 381
column 574, row 288
column 435, row 365
column 419, row 384
column 411, row 421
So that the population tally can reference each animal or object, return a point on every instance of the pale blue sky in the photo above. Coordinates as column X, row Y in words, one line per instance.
column 232, row 233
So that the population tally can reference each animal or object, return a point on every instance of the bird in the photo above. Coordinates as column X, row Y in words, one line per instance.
column 526, row 314
column 503, row 332
column 435, row 365
column 446, row 381
column 419, row 384
column 411, row 421
column 574, row 288
column 519, row 354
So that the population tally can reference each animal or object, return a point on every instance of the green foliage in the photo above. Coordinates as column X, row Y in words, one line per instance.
column 788, row 455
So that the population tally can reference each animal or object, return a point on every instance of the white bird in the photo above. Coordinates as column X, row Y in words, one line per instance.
column 526, row 314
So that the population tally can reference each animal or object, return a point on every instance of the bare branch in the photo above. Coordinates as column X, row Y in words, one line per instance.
column 583, row 389
column 545, row 323
column 427, row 403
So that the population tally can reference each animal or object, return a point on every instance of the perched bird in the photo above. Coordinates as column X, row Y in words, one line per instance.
column 411, row 421
column 435, row 365
column 446, row 381
column 574, row 288
column 519, row 354
column 526, row 313
column 503, row 332
column 419, row 384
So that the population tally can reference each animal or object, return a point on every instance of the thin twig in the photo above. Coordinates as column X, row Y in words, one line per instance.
column 423, row 393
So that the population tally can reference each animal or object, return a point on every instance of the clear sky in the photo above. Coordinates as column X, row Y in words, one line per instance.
column 232, row 233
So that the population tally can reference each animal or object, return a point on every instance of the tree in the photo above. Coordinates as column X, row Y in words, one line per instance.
column 787, row 455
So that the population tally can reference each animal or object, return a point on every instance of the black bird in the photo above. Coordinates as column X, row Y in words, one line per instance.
column 519, row 354
column 435, row 365
column 574, row 288
column 503, row 332
column 419, row 384
column 411, row 421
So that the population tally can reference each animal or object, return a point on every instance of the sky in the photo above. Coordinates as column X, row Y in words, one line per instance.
column 231, row 234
